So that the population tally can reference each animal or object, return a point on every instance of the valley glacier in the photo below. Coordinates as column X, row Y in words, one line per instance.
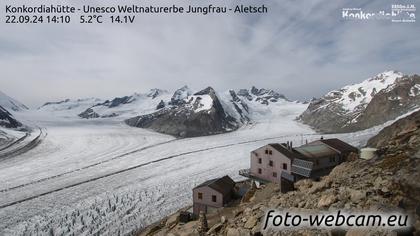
column 103, row 177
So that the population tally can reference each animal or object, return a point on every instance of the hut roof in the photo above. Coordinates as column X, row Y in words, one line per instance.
column 223, row 185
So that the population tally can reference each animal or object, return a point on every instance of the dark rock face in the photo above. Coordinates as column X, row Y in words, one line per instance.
column 189, row 119
column 400, row 97
column 7, row 120
column 54, row 103
column 116, row 102
column 245, row 93
column 160, row 105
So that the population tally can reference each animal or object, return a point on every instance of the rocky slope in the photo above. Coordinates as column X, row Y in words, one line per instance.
column 388, row 183
column 7, row 120
column 403, row 134
column 126, row 106
column 374, row 101
column 195, row 115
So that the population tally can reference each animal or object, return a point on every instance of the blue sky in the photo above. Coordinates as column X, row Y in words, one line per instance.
column 300, row 48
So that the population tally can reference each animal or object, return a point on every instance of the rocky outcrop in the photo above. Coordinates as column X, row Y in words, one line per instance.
column 89, row 114
column 263, row 96
column 371, row 102
column 160, row 105
column 197, row 115
column 7, row 120
column 388, row 183
column 54, row 103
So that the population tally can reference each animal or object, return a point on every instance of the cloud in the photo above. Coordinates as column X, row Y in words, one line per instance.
column 302, row 49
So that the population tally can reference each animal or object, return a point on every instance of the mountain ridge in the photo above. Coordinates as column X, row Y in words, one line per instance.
column 371, row 102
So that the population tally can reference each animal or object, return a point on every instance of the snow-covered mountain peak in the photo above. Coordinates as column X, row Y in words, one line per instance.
column 180, row 94
column 7, row 120
column 69, row 106
column 10, row 103
column 264, row 96
column 202, row 100
column 357, row 96
column 389, row 75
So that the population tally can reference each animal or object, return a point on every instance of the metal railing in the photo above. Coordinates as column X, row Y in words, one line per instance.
column 245, row 172
column 302, row 167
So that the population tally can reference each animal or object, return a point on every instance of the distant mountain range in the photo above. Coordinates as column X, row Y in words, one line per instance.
column 184, row 113
column 374, row 101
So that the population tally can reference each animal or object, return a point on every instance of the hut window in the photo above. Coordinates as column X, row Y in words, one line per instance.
column 259, row 160
column 259, row 171
column 275, row 174
column 284, row 166
column 317, row 162
column 200, row 196
column 266, row 151
column 214, row 198
column 270, row 152
column 271, row 163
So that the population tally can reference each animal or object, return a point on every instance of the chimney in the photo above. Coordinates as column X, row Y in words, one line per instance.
column 287, row 144
column 291, row 145
column 306, row 141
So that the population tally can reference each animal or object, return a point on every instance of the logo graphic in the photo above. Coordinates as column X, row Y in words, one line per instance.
column 398, row 13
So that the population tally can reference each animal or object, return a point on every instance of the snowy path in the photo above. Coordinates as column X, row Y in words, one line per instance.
column 103, row 177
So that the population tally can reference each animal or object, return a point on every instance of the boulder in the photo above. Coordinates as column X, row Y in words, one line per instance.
column 250, row 223
column 357, row 195
column 327, row 200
